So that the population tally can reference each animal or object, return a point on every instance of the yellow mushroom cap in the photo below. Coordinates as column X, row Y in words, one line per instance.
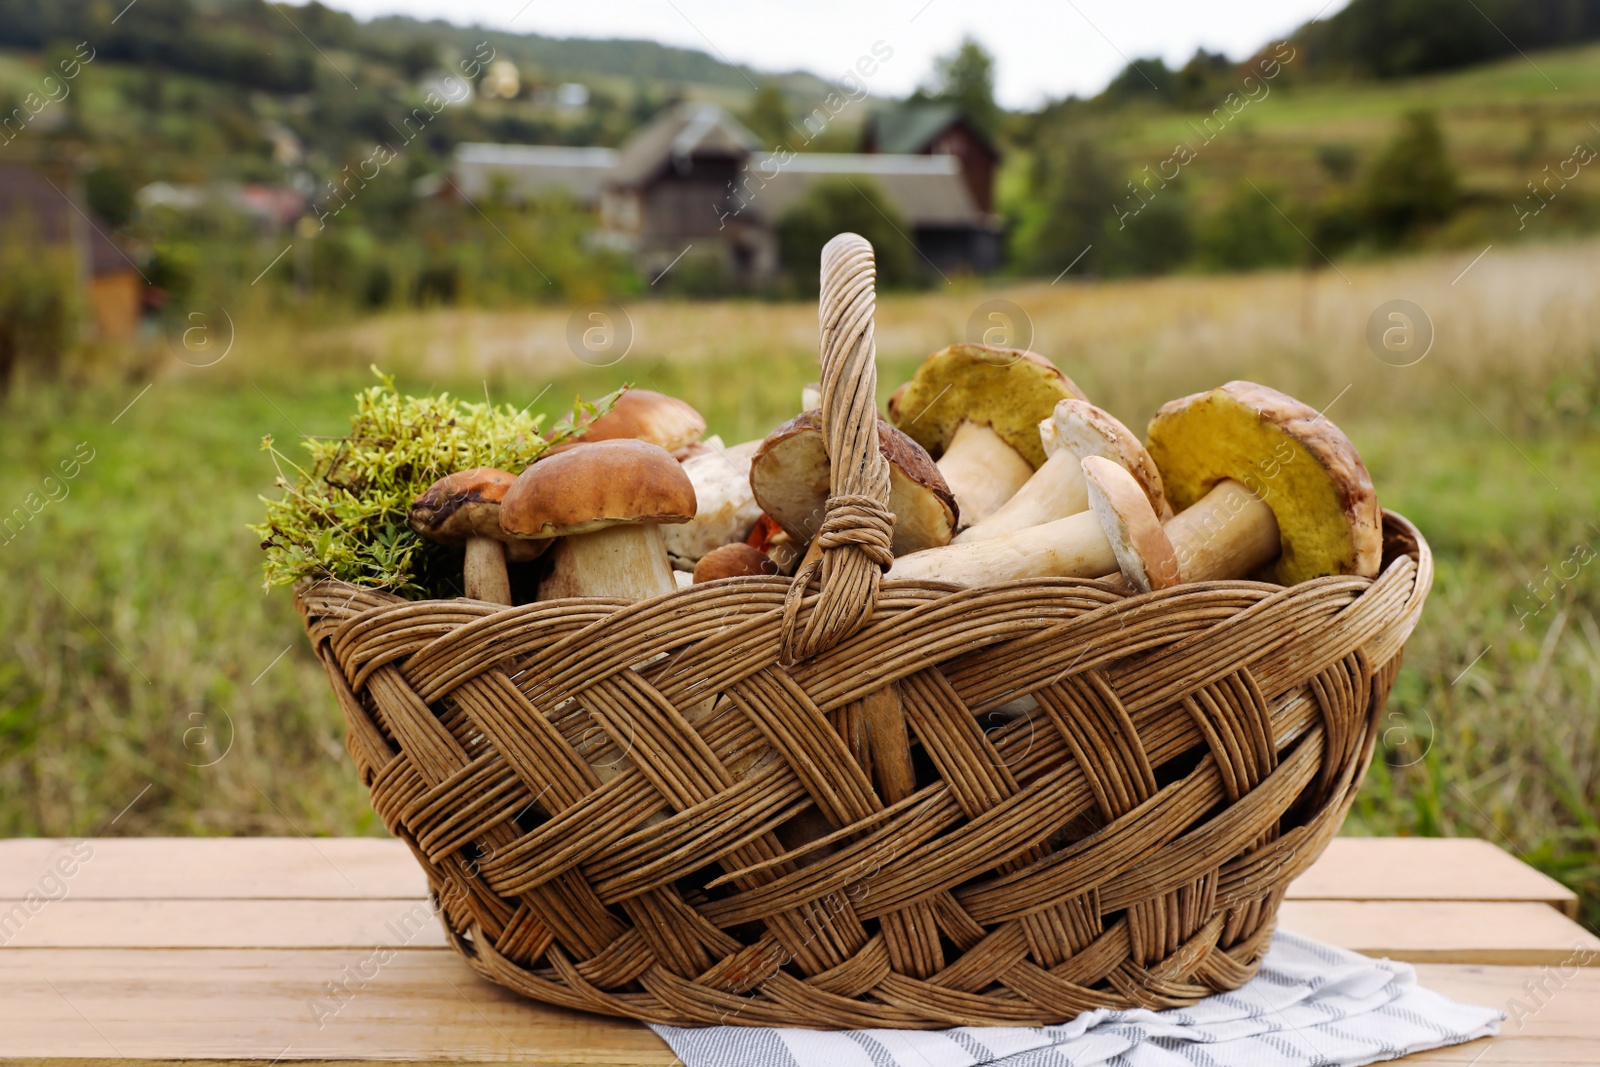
column 1007, row 389
column 1300, row 464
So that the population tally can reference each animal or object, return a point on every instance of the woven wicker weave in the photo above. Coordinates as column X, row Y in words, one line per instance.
column 769, row 803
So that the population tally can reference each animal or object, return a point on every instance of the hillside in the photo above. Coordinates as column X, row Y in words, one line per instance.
column 195, row 90
column 1310, row 142
column 278, row 46
column 1288, row 158
column 1502, row 121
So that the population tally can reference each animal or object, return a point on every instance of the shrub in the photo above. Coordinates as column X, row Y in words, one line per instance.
column 40, row 308
column 110, row 195
column 1412, row 184
column 834, row 207
column 1090, row 213
column 1159, row 239
column 1248, row 233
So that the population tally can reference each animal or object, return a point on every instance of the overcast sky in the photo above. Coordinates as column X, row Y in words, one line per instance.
column 1043, row 48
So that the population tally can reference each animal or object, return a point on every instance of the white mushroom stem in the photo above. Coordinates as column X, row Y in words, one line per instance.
column 627, row 560
column 485, row 572
column 725, row 507
column 1073, row 547
column 1229, row 533
column 982, row 471
column 1054, row 491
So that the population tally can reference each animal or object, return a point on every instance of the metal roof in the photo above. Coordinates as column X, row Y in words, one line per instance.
column 677, row 136
column 528, row 171
column 912, row 127
column 926, row 190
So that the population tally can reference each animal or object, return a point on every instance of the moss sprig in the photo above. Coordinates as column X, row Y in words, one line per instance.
column 343, row 513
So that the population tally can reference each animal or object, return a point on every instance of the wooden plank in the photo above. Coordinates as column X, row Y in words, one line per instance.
column 1434, row 931
column 1444, row 931
column 189, row 867
column 224, row 924
column 1426, row 868
column 93, row 1006
column 100, row 1006
column 1352, row 868
column 1558, row 1026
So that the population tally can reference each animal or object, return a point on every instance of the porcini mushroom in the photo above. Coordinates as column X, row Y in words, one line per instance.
column 464, row 509
column 726, row 509
column 1090, row 544
column 978, row 409
column 607, row 502
column 647, row 416
column 699, row 448
column 736, row 560
column 775, row 541
column 1075, row 429
column 789, row 476
column 1257, row 474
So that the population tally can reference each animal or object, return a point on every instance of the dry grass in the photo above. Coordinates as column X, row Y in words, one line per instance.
column 1131, row 343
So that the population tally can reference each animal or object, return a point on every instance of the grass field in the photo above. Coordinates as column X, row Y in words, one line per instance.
column 147, row 686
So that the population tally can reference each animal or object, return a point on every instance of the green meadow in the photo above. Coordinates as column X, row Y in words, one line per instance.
column 148, row 684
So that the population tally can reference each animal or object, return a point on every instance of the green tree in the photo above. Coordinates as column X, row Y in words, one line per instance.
column 1143, row 79
column 846, row 205
column 965, row 78
column 40, row 306
column 1080, row 189
column 768, row 115
column 418, row 57
column 1247, row 233
column 1094, row 224
column 1205, row 79
column 1412, row 184
column 110, row 194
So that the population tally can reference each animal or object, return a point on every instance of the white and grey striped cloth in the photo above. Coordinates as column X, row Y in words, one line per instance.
column 1311, row 1005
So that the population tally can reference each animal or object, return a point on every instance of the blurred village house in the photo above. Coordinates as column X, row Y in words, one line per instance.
column 35, row 209
column 696, row 177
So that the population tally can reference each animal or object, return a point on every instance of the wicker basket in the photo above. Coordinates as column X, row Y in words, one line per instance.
column 694, row 809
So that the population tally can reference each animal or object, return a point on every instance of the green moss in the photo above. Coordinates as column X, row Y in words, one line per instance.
column 343, row 515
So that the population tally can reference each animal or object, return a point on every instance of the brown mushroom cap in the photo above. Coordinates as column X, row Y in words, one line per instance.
column 1085, row 430
column 1007, row 389
column 737, row 560
column 606, row 483
column 789, row 476
column 462, row 505
column 1300, row 464
column 647, row 416
column 1143, row 550
column 467, row 504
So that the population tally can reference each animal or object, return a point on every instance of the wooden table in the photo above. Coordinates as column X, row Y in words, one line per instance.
column 161, row 950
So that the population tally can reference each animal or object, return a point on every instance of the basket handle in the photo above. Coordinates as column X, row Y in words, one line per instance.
column 855, row 533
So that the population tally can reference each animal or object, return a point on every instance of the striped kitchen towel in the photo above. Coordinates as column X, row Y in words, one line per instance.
column 1311, row 1005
